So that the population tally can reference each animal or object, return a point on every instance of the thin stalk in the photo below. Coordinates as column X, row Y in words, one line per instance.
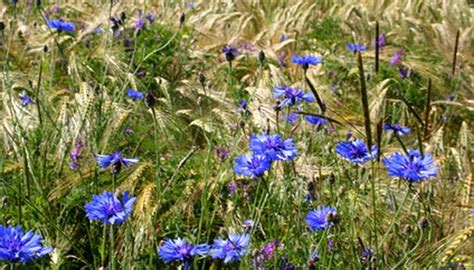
column 103, row 245
column 365, row 101
column 456, row 44
column 112, row 249
column 427, row 109
column 374, row 206
column 397, row 214
column 377, row 47
column 401, row 143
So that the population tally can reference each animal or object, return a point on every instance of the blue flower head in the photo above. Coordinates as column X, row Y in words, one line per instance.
column 291, row 96
column 61, row 25
column 273, row 146
column 25, row 99
column 231, row 249
column 291, row 118
column 178, row 249
column 316, row 120
column 306, row 61
column 108, row 209
column 356, row 151
column 135, row 95
column 115, row 160
column 252, row 165
column 412, row 167
column 17, row 246
column 397, row 129
column 319, row 219
column 230, row 52
column 356, row 47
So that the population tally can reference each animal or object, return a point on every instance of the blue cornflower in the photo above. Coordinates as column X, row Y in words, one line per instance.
column 291, row 118
column 319, row 219
column 397, row 129
column 231, row 249
column 356, row 151
column 61, row 25
column 108, row 208
column 179, row 250
column 116, row 160
column 273, row 146
column 356, row 47
column 292, row 96
column 135, row 95
column 252, row 165
column 230, row 52
column 306, row 61
column 412, row 167
column 17, row 246
column 25, row 99
column 316, row 120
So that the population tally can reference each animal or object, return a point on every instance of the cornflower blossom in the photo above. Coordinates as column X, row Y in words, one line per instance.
column 291, row 96
column 252, row 165
column 316, row 120
column 291, row 118
column 306, row 61
column 412, row 167
column 115, row 161
column 273, row 146
column 61, row 25
column 135, row 95
column 230, row 52
column 232, row 249
column 25, row 99
column 397, row 129
column 178, row 250
column 356, row 47
column 109, row 209
column 17, row 246
column 266, row 254
column 319, row 219
column 356, row 151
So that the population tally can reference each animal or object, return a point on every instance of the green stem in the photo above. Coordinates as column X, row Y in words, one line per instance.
column 112, row 249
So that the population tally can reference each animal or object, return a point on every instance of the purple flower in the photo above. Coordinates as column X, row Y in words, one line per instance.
column 306, row 61
column 397, row 129
column 319, row 219
column 191, row 5
column 232, row 249
column 396, row 59
column 252, row 165
column 411, row 167
column 452, row 96
column 282, row 59
column 115, row 160
column 273, row 146
column 283, row 37
column 266, row 253
column 356, row 151
column 291, row 118
column 135, row 95
column 404, row 73
column 330, row 245
column 107, row 208
column 75, row 155
column 230, row 52
column 232, row 186
column 380, row 40
column 356, row 47
column 139, row 24
column 248, row 224
column 222, row 153
column 177, row 249
column 292, row 96
column 150, row 17
column 61, row 25
column 17, row 246
column 25, row 99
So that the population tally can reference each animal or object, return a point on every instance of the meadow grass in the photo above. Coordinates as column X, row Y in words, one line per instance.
column 188, row 126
